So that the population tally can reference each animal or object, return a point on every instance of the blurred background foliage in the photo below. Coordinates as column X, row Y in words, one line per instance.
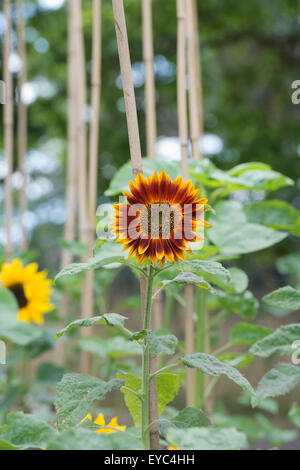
column 250, row 56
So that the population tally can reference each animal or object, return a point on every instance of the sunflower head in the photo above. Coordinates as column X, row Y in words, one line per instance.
column 31, row 288
column 109, row 428
column 159, row 218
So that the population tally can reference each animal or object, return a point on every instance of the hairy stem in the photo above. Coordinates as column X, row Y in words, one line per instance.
column 200, row 345
column 146, row 361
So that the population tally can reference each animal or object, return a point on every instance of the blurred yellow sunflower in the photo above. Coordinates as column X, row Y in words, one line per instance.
column 112, row 426
column 160, row 218
column 31, row 288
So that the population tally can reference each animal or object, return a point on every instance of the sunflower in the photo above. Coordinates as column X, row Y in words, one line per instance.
column 159, row 219
column 30, row 287
column 107, row 428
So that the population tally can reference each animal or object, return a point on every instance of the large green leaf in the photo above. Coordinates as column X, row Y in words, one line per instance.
column 294, row 415
column 212, row 366
column 161, row 343
column 250, row 176
column 86, row 439
column 21, row 333
column 207, row 438
column 245, row 305
column 115, row 347
column 190, row 417
column 168, row 384
column 285, row 297
column 278, row 381
column 248, row 334
column 289, row 264
column 229, row 210
column 27, row 431
column 8, row 308
column 275, row 214
column 75, row 395
column 93, row 263
column 237, row 239
column 210, row 271
column 280, row 342
column 189, row 278
column 121, row 179
column 112, row 319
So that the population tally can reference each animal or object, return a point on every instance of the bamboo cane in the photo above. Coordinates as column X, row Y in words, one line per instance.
column 192, row 73
column 22, row 120
column 81, row 124
column 128, row 89
column 134, row 139
column 149, row 78
column 209, row 400
column 88, row 291
column 183, row 136
column 8, row 126
column 71, row 179
column 151, row 134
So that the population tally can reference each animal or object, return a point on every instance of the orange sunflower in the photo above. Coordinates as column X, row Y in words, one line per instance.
column 159, row 219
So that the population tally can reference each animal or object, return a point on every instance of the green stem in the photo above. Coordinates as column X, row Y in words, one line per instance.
column 145, row 363
column 167, row 321
column 200, row 345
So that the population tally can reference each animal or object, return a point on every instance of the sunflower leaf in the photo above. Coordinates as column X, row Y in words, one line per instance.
column 278, row 381
column 211, row 365
column 279, row 342
column 248, row 334
column 285, row 297
column 8, row 307
column 207, row 438
column 75, row 395
column 188, row 278
column 237, row 239
column 112, row 319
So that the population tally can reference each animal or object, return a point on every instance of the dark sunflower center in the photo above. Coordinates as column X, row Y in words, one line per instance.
column 158, row 220
column 18, row 291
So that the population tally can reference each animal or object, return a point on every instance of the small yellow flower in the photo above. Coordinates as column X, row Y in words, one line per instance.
column 173, row 448
column 30, row 287
column 112, row 426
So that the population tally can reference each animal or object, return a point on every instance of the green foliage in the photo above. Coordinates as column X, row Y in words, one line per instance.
column 207, row 438
column 280, row 342
column 275, row 214
column 285, row 297
column 167, row 383
column 120, row 181
column 237, row 239
column 212, row 366
column 9, row 309
column 115, row 347
column 254, row 176
column 26, row 431
column 245, row 305
column 112, row 319
column 294, row 415
column 278, row 381
column 161, row 344
column 75, row 395
column 248, row 334
column 21, row 333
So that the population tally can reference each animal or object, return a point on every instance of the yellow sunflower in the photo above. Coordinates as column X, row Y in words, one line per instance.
column 30, row 287
column 160, row 218
column 101, row 422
